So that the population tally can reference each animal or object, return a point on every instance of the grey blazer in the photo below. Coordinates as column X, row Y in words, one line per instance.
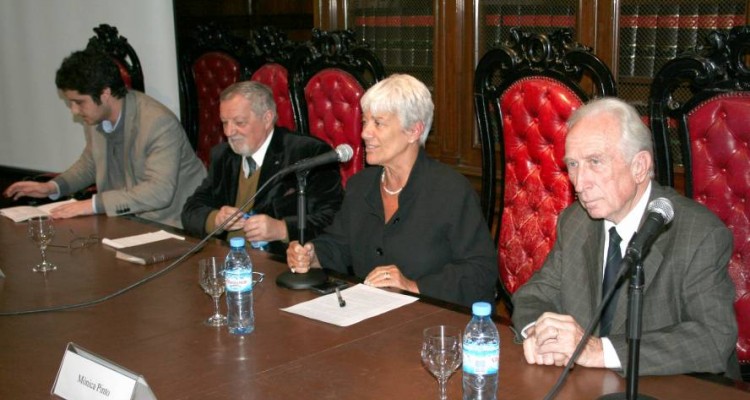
column 688, row 316
column 161, row 168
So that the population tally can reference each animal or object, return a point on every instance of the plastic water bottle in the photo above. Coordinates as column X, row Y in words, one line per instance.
column 481, row 359
column 260, row 244
column 238, row 274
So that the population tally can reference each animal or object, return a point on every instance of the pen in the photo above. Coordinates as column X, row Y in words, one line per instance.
column 342, row 302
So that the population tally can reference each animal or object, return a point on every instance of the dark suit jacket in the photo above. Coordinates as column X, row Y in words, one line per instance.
column 688, row 317
column 437, row 237
column 279, row 200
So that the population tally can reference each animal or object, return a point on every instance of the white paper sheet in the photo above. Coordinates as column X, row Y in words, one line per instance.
column 22, row 213
column 362, row 302
column 140, row 239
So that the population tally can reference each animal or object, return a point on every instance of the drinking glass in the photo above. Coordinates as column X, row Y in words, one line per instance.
column 211, row 273
column 42, row 231
column 441, row 354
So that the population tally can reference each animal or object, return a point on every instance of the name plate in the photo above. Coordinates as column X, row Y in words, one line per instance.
column 85, row 375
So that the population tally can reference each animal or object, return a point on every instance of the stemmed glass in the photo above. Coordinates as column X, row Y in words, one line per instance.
column 441, row 353
column 42, row 231
column 211, row 273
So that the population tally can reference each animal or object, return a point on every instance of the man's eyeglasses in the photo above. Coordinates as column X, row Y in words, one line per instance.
column 78, row 242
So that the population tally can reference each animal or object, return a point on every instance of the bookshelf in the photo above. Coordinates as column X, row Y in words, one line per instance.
column 538, row 17
column 651, row 33
column 441, row 43
column 401, row 33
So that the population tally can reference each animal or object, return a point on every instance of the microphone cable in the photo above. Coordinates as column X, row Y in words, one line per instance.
column 154, row 275
column 660, row 212
column 589, row 330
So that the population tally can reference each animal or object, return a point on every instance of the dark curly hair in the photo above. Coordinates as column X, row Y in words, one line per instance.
column 89, row 72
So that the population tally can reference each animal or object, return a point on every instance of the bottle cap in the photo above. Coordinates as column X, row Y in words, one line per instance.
column 237, row 242
column 481, row 309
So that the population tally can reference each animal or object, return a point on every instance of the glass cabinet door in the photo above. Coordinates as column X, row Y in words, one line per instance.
column 497, row 17
column 652, row 33
column 400, row 32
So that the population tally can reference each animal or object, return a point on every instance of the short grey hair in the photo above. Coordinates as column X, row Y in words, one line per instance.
column 405, row 96
column 635, row 135
column 259, row 95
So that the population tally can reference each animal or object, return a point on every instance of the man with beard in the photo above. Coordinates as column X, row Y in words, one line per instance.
column 256, row 149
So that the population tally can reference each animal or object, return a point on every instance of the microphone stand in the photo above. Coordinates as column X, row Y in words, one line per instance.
column 635, row 314
column 314, row 276
column 194, row 249
column 635, row 327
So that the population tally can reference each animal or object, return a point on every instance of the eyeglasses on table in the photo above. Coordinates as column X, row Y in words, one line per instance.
column 78, row 242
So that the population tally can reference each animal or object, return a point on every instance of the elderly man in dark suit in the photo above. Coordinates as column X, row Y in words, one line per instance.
column 256, row 150
column 688, row 317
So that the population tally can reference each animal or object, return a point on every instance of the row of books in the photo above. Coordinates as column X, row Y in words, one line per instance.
column 652, row 34
column 398, row 40
column 649, row 34
column 534, row 18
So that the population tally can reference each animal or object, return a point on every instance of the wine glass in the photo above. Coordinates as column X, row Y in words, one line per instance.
column 211, row 273
column 42, row 231
column 441, row 353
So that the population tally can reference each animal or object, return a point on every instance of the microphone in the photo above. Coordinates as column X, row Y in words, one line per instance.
column 342, row 153
column 660, row 212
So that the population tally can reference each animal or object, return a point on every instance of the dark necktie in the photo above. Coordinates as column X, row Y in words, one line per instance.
column 614, row 259
column 249, row 166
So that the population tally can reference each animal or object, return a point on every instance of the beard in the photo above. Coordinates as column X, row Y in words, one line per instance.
column 240, row 147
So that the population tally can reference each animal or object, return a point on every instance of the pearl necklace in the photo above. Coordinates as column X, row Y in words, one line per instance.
column 390, row 192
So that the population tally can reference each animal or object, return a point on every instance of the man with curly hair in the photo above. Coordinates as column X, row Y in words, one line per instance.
column 136, row 151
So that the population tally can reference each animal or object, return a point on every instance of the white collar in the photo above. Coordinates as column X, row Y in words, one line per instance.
column 259, row 155
column 629, row 225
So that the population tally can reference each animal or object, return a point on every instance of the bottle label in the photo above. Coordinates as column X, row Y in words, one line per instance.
column 239, row 280
column 481, row 358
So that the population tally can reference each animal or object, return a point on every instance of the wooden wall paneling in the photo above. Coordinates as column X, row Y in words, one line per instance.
column 607, row 24
column 449, row 90
column 329, row 14
column 471, row 156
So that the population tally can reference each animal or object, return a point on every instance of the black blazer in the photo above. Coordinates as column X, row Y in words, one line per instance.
column 437, row 237
column 279, row 200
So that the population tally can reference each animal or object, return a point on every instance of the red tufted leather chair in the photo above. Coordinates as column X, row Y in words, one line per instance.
column 524, row 93
column 270, row 64
column 330, row 75
column 708, row 93
column 208, row 66
column 276, row 76
column 110, row 42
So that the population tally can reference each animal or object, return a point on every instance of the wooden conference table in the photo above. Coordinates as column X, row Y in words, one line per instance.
column 156, row 330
